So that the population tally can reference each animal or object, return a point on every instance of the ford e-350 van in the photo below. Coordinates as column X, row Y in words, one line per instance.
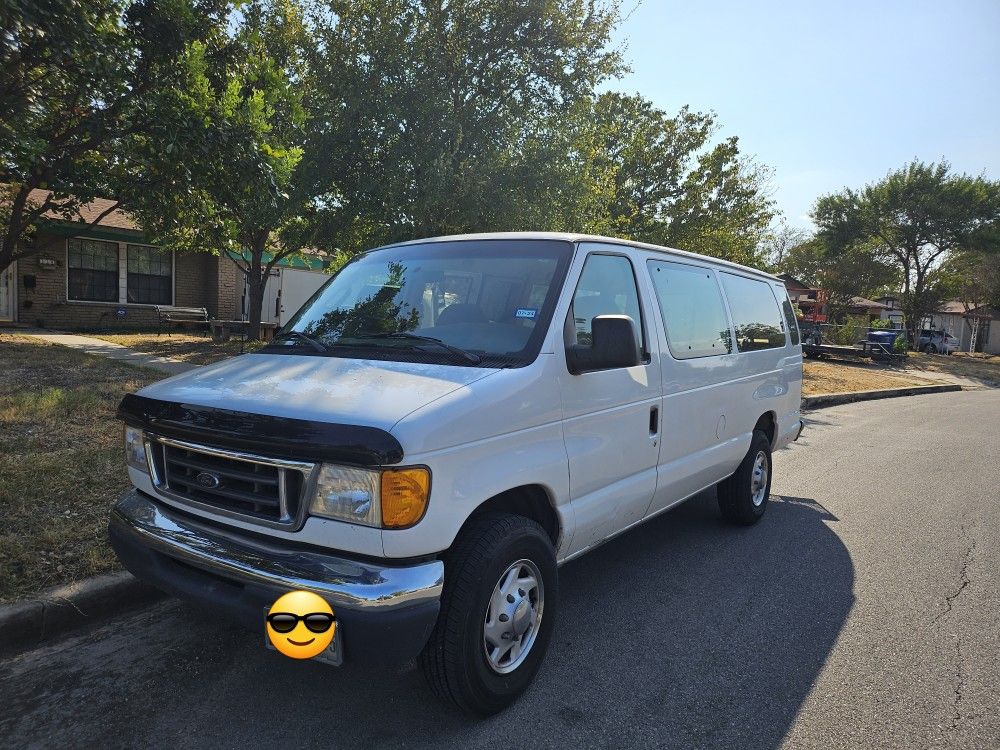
column 443, row 424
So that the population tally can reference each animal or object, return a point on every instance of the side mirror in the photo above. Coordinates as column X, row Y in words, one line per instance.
column 614, row 344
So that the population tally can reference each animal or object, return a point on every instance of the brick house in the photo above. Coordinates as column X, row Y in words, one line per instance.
column 88, row 275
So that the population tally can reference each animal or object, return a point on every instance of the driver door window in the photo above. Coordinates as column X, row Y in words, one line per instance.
column 607, row 287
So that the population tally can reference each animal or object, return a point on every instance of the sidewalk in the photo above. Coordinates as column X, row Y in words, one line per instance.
column 967, row 383
column 107, row 349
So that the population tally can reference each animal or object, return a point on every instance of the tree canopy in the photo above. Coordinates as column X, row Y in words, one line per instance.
column 241, row 186
column 78, row 81
column 665, row 182
column 914, row 218
column 258, row 128
column 843, row 274
column 433, row 110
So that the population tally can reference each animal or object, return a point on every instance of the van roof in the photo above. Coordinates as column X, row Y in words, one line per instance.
column 577, row 237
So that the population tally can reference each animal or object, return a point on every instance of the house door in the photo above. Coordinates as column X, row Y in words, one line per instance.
column 8, row 283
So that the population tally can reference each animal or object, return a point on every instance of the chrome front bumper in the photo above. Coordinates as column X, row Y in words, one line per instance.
column 138, row 520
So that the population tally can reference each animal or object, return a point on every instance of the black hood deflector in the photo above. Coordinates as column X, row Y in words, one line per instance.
column 278, row 437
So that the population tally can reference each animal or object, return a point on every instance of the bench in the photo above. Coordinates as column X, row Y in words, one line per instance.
column 223, row 329
column 171, row 315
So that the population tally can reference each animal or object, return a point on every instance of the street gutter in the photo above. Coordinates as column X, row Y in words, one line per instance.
column 824, row 400
column 56, row 611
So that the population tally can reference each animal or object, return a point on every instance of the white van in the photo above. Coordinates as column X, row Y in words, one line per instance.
column 443, row 424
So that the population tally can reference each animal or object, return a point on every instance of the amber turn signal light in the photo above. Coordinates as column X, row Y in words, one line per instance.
column 404, row 496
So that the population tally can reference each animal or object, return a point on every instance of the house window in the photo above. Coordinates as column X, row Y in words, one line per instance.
column 92, row 269
column 150, row 275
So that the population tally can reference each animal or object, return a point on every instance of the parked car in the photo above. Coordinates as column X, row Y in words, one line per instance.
column 937, row 342
column 446, row 422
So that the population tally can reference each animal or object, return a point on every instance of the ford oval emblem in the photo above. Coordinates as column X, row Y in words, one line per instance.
column 206, row 480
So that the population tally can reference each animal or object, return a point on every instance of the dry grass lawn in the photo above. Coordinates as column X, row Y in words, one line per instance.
column 187, row 347
column 825, row 376
column 984, row 368
column 61, row 462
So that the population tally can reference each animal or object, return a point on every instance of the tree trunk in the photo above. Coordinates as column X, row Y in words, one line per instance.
column 12, row 232
column 256, row 281
column 255, row 303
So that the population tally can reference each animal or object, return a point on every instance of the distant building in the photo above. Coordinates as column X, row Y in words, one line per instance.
column 91, row 274
column 891, row 311
column 814, row 302
column 965, row 321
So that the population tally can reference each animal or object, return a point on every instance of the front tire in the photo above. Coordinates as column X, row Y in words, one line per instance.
column 743, row 497
column 497, row 612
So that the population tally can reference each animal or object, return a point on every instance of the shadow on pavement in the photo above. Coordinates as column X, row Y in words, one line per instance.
column 684, row 632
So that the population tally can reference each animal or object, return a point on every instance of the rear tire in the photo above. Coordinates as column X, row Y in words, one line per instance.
column 743, row 497
column 465, row 661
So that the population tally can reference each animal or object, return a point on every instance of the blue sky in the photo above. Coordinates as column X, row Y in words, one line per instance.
column 828, row 94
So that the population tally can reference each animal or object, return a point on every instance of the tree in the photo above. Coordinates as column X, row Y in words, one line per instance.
column 78, row 80
column 243, row 185
column 973, row 276
column 779, row 242
column 432, row 110
column 914, row 218
column 669, row 185
column 856, row 271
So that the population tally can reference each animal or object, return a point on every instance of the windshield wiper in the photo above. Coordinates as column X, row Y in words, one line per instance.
column 314, row 342
column 457, row 351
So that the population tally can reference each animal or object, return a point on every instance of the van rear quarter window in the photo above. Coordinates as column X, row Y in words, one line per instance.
column 756, row 315
column 692, row 309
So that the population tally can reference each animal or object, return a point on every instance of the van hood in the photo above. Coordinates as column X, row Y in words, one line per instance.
column 319, row 389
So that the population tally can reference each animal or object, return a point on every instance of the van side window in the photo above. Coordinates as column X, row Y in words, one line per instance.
column 607, row 287
column 693, row 313
column 756, row 316
column 793, row 326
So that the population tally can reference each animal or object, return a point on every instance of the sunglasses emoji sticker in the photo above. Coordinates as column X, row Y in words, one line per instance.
column 300, row 624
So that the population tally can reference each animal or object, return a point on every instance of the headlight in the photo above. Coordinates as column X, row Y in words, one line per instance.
column 392, row 499
column 347, row 495
column 135, row 449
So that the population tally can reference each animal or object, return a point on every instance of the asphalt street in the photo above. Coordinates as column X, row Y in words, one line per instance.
column 863, row 611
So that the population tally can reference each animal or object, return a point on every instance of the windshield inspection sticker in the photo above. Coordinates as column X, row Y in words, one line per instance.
column 525, row 312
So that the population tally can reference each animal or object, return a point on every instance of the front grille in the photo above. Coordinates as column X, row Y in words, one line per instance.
column 264, row 489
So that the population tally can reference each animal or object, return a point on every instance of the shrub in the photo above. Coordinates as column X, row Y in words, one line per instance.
column 850, row 332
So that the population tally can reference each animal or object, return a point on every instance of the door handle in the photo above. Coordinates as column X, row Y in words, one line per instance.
column 654, row 421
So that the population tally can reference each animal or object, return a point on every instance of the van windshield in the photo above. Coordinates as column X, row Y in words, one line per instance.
column 483, row 303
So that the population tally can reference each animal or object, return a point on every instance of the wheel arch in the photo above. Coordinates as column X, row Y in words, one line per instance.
column 532, row 501
column 768, row 424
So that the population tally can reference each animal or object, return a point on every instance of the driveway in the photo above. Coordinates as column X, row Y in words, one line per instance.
column 864, row 610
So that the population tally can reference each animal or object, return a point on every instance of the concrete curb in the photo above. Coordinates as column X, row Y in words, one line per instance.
column 55, row 611
column 835, row 399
